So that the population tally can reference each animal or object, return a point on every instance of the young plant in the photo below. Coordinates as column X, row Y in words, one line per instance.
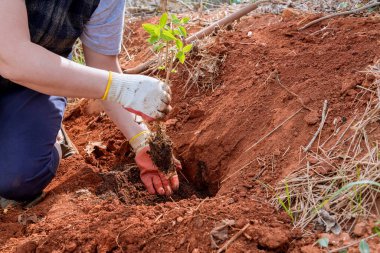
column 287, row 204
column 168, row 40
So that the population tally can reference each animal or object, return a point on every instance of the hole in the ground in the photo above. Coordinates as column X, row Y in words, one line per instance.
column 124, row 181
column 282, row 248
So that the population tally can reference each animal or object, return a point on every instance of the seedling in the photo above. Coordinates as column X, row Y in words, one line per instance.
column 287, row 204
column 168, row 39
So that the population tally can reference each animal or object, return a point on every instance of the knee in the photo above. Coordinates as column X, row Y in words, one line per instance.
column 23, row 182
column 15, row 188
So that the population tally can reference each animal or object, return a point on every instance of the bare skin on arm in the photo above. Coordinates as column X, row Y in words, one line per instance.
column 32, row 66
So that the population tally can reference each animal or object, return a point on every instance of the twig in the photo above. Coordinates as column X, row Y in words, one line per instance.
column 274, row 130
column 237, row 171
column 291, row 92
column 158, row 217
column 352, row 244
column 200, row 204
column 186, row 5
column 339, row 14
column 183, row 175
column 233, row 238
column 174, row 202
column 286, row 151
column 324, row 117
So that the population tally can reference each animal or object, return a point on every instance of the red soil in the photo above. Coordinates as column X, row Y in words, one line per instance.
column 213, row 133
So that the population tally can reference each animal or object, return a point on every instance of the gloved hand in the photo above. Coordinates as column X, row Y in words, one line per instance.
column 154, row 180
column 143, row 95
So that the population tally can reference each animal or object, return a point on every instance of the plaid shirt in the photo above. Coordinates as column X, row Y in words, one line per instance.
column 56, row 24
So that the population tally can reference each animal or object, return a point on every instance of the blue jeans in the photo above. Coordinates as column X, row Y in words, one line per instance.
column 29, row 124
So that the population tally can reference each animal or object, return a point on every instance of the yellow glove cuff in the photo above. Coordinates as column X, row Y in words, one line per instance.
column 140, row 140
column 108, row 86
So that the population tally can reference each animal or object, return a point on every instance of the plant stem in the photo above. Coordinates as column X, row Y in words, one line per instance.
column 169, row 70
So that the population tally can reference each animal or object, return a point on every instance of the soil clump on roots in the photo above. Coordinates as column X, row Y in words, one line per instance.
column 161, row 150
column 97, row 202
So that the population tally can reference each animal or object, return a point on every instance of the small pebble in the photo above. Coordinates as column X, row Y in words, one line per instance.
column 231, row 201
column 360, row 229
column 277, row 152
column 198, row 222
column 312, row 118
column 312, row 160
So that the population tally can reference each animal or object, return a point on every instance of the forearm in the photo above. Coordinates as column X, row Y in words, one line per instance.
column 32, row 66
column 48, row 73
column 123, row 119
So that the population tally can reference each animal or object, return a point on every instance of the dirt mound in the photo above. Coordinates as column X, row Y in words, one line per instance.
column 266, row 78
column 235, row 143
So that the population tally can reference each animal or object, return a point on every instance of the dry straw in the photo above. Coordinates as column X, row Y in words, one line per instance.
column 342, row 175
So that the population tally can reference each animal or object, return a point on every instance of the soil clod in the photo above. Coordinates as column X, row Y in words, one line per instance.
column 161, row 150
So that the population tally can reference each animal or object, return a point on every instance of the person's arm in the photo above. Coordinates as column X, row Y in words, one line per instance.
column 125, row 121
column 32, row 66
column 155, row 182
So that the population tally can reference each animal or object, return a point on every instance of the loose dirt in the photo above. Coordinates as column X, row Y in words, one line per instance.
column 97, row 202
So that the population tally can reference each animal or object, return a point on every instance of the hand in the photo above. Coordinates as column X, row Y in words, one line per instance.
column 143, row 95
column 155, row 181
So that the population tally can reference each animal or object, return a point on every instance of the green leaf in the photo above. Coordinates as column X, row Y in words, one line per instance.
column 161, row 68
column 151, row 29
column 363, row 247
column 343, row 251
column 187, row 48
column 168, row 36
column 376, row 230
column 163, row 20
column 175, row 19
column 179, row 44
column 181, row 57
column 153, row 39
column 174, row 71
column 176, row 32
column 288, row 194
column 173, row 16
column 183, row 31
column 287, row 209
column 323, row 242
column 185, row 20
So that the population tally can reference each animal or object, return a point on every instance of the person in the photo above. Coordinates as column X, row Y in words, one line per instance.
column 36, row 76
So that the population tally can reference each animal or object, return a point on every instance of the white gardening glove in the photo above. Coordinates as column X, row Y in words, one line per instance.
column 142, row 95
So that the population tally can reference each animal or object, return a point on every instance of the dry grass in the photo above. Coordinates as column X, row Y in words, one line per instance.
column 342, row 175
column 77, row 53
column 204, row 70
